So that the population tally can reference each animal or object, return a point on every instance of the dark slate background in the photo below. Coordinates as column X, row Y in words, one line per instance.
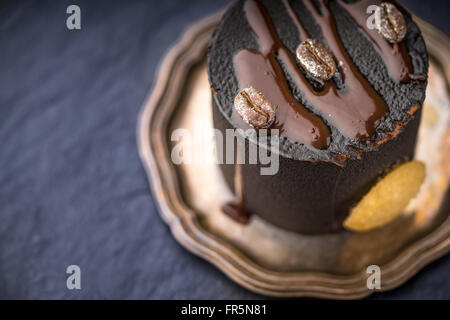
column 72, row 187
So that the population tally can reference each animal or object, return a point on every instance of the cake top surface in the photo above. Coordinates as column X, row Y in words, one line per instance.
column 339, row 83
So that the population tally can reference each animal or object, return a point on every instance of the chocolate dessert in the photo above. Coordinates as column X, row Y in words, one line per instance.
column 343, row 88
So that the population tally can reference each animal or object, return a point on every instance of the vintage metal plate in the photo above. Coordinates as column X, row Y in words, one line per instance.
column 259, row 256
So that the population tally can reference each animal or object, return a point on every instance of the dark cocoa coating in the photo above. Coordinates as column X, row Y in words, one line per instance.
column 315, row 197
column 233, row 34
column 314, row 190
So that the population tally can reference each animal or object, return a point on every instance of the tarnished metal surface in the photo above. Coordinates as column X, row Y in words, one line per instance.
column 260, row 256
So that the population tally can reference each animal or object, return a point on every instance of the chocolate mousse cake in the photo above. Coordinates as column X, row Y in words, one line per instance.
column 344, row 88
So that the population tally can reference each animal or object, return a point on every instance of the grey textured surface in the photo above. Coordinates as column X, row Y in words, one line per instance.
column 72, row 188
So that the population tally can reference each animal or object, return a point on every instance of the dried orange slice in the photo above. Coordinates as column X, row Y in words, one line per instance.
column 388, row 198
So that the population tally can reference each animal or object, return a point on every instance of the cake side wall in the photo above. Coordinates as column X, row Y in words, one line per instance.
column 315, row 197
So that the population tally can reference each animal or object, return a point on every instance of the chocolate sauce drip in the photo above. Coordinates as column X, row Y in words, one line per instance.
column 355, row 110
column 262, row 71
column 395, row 56
column 236, row 211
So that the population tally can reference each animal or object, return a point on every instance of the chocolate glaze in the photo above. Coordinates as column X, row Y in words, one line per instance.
column 262, row 71
column 396, row 56
column 236, row 211
column 355, row 110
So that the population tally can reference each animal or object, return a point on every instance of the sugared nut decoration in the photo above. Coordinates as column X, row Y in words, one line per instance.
column 390, row 23
column 254, row 108
column 316, row 59
column 388, row 198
